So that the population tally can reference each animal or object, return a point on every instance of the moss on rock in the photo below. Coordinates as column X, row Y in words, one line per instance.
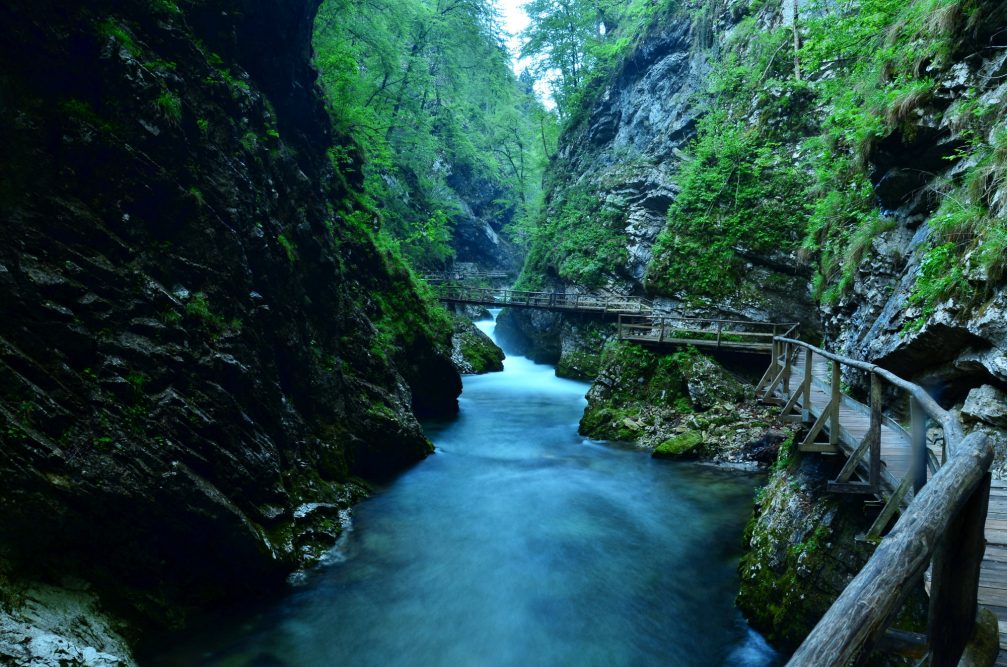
column 679, row 446
column 472, row 350
column 802, row 551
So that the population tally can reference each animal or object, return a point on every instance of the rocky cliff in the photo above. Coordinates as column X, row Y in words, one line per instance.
column 200, row 347
column 843, row 168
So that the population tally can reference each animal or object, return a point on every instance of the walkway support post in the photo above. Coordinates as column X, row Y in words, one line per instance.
column 918, row 436
column 837, row 375
column 875, row 432
column 806, row 406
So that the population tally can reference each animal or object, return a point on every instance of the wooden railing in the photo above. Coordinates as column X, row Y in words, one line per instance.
column 720, row 334
column 577, row 302
column 941, row 527
column 447, row 276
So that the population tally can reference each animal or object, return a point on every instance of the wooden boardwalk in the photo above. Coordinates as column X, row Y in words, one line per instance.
column 639, row 321
column 578, row 302
column 896, row 452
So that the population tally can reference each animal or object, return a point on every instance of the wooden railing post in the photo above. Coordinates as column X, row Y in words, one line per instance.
column 720, row 327
column 918, row 437
column 660, row 336
column 806, row 405
column 954, row 586
column 875, row 432
column 835, row 403
column 786, row 369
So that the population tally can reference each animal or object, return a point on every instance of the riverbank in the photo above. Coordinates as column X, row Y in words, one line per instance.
column 519, row 542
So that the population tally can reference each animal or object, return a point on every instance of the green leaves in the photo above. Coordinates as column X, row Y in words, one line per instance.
column 426, row 91
column 740, row 193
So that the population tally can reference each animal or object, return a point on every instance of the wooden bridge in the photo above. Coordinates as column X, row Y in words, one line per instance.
column 735, row 335
column 605, row 304
column 464, row 275
column 942, row 488
column 638, row 320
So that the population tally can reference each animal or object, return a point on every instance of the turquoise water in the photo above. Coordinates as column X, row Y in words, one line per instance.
column 518, row 543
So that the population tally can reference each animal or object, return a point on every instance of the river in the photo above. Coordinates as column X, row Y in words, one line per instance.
column 518, row 543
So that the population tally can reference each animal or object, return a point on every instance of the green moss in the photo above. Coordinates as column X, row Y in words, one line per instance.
column 477, row 349
column 579, row 365
column 679, row 446
column 170, row 106
column 288, row 247
column 739, row 193
column 633, row 379
column 580, row 238
column 110, row 27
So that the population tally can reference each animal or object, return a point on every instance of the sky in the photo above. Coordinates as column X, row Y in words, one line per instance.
column 514, row 21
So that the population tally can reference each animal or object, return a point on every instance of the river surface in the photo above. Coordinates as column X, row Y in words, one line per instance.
column 518, row 543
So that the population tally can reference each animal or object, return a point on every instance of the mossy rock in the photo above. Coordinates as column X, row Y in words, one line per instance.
column 474, row 351
column 606, row 423
column 579, row 365
column 681, row 446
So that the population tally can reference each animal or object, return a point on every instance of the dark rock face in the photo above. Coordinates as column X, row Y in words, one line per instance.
column 189, row 373
column 472, row 351
column 478, row 235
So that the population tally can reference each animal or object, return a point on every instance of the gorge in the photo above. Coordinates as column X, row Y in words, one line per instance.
column 216, row 340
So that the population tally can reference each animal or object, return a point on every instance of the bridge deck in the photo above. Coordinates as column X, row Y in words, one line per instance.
column 895, row 456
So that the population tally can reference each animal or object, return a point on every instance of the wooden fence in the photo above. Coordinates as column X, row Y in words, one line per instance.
column 943, row 496
column 740, row 335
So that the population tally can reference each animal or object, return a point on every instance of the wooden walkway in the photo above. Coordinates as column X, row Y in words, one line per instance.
column 993, row 577
column 639, row 321
column 603, row 304
column 897, row 467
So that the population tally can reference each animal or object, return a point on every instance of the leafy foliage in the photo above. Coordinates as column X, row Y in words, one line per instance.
column 425, row 88
column 739, row 193
column 579, row 240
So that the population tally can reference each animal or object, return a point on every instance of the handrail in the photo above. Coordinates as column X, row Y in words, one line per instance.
column 952, row 425
column 935, row 521
column 792, row 325
column 943, row 523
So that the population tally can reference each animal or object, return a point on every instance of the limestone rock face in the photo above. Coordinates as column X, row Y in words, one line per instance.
column 986, row 404
column 56, row 627
column 190, row 373
column 627, row 150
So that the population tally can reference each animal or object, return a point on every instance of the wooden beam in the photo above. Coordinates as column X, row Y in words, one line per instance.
column 954, row 584
column 817, row 427
column 851, row 463
column 852, row 487
column 856, row 621
column 892, row 506
column 837, row 375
